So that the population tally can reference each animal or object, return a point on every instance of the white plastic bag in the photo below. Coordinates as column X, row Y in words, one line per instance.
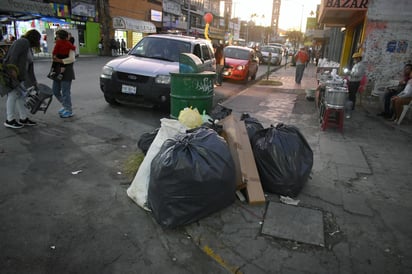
column 139, row 187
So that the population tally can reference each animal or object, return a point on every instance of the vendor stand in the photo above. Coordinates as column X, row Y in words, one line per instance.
column 331, row 98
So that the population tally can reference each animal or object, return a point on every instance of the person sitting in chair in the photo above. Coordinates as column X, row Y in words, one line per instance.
column 403, row 98
column 390, row 92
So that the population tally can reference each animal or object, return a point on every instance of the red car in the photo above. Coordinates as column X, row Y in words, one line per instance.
column 241, row 63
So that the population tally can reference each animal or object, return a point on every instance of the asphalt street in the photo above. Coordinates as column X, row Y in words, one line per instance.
column 64, row 208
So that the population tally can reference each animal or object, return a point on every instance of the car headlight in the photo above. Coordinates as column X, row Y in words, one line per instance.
column 107, row 72
column 162, row 79
column 240, row 67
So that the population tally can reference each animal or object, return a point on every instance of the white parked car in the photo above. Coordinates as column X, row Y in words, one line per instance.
column 272, row 53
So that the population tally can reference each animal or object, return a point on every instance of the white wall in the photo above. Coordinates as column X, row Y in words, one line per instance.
column 387, row 21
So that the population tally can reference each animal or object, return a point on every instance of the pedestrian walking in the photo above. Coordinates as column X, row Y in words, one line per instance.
column 301, row 58
column 100, row 47
column 220, row 63
column 62, row 87
column 286, row 53
column 113, row 47
column 123, row 46
column 20, row 54
column 118, row 46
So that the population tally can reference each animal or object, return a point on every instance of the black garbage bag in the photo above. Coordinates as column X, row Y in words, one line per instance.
column 284, row 159
column 219, row 112
column 146, row 139
column 252, row 125
column 191, row 177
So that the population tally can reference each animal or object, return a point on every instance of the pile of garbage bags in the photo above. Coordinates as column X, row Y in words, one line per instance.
column 189, row 173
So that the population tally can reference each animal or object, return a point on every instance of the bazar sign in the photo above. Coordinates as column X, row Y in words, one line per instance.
column 26, row 6
column 347, row 4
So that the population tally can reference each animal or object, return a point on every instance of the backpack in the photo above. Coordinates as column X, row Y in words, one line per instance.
column 7, row 81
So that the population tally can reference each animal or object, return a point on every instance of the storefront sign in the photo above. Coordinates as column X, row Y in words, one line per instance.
column 26, row 6
column 120, row 22
column 347, row 4
column 156, row 16
column 83, row 8
column 172, row 7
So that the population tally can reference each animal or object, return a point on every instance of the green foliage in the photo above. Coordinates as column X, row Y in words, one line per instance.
column 132, row 164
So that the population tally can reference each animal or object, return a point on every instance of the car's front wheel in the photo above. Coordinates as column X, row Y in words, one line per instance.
column 110, row 100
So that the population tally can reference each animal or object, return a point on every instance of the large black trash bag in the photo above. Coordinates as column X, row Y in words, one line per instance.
column 284, row 159
column 146, row 139
column 252, row 125
column 191, row 177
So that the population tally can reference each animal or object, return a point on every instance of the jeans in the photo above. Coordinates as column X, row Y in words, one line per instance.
column 61, row 90
column 353, row 90
column 300, row 68
column 387, row 101
column 15, row 100
column 219, row 76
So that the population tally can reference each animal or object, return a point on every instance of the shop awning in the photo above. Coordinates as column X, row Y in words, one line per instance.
column 120, row 22
column 342, row 13
column 18, row 7
column 54, row 20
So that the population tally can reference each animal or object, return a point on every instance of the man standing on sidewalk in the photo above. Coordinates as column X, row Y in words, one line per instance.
column 355, row 77
column 301, row 58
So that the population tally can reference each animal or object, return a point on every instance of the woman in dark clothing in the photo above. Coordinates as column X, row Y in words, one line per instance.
column 62, row 88
column 20, row 54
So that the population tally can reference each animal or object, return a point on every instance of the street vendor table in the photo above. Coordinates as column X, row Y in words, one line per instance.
column 330, row 100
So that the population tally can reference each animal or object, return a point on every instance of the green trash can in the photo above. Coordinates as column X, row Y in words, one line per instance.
column 194, row 90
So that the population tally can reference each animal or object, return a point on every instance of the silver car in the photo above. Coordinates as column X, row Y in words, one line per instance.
column 272, row 53
column 143, row 75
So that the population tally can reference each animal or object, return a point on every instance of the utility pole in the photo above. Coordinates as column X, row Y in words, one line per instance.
column 188, row 18
column 105, row 24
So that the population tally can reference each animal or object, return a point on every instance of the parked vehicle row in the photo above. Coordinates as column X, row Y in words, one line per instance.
column 143, row 75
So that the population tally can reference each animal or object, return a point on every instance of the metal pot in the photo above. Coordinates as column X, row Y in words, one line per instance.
column 336, row 96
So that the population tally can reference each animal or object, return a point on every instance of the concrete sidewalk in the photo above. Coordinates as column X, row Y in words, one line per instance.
column 359, row 180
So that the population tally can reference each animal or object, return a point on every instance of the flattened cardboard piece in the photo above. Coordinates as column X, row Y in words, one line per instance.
column 247, row 175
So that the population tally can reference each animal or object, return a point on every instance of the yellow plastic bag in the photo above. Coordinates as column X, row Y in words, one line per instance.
column 190, row 118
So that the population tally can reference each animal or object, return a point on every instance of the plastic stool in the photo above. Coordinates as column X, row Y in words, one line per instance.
column 328, row 119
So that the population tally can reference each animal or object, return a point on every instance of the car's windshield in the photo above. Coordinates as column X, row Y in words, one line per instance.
column 236, row 53
column 158, row 48
column 271, row 49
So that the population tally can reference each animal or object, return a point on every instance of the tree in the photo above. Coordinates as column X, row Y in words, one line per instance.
column 105, row 22
column 295, row 37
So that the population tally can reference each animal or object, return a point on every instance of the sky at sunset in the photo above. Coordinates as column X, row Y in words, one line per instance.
column 292, row 12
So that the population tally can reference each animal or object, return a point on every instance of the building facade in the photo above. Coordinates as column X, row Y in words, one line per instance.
column 379, row 29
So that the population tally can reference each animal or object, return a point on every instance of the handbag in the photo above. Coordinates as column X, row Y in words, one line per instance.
column 8, row 78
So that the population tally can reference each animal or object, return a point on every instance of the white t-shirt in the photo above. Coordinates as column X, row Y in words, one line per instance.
column 407, row 91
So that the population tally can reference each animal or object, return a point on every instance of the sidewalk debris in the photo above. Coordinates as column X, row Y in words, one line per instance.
column 76, row 172
column 289, row 201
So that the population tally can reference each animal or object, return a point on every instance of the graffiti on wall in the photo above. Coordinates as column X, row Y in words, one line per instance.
column 397, row 46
